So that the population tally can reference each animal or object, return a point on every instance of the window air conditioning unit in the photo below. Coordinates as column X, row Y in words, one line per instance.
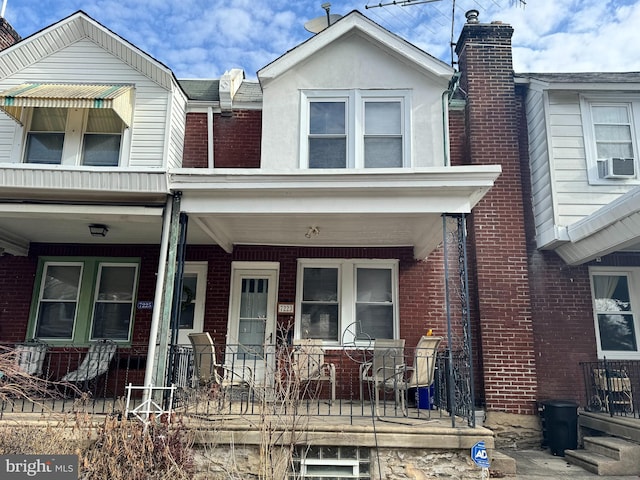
column 616, row 167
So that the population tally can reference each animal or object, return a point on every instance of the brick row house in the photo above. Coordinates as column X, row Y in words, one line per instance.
column 318, row 202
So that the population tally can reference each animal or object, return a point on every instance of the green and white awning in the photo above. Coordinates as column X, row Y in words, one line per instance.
column 118, row 98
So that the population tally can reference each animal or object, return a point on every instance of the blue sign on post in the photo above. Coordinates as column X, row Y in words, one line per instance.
column 479, row 455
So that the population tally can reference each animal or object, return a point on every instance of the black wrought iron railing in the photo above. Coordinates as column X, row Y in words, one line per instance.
column 235, row 380
column 613, row 387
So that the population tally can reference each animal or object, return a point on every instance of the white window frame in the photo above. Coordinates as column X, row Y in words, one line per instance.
column 74, row 134
column 633, row 104
column 347, row 269
column 354, row 121
column 633, row 283
column 77, row 300
column 96, row 291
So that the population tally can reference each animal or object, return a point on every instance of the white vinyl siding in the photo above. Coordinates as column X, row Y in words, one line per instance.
column 177, row 125
column 86, row 62
column 563, row 191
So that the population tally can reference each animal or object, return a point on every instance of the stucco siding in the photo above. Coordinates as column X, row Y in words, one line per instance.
column 354, row 63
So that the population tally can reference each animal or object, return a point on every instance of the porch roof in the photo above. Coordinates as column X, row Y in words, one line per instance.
column 612, row 228
column 370, row 208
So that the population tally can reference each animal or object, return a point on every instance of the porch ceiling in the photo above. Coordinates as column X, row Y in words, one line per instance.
column 348, row 210
column 22, row 224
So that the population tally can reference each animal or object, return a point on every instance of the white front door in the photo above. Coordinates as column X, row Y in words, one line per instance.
column 194, row 283
column 251, row 331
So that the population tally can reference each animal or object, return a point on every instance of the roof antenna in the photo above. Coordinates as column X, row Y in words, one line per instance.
column 4, row 7
column 327, row 8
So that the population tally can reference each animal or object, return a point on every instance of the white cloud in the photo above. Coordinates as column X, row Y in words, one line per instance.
column 203, row 38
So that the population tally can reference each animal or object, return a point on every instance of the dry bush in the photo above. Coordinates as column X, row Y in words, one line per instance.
column 130, row 450
column 114, row 449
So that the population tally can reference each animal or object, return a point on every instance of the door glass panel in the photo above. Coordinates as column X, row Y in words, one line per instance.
column 253, row 316
column 188, row 302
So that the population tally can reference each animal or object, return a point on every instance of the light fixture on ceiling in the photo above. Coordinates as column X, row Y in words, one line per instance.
column 98, row 230
column 313, row 231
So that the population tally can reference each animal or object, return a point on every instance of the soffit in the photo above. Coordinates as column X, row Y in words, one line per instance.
column 614, row 227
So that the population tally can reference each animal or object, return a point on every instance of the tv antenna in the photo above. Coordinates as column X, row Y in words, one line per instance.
column 406, row 3
column 316, row 25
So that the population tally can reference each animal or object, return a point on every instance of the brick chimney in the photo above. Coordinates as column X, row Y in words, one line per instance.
column 8, row 36
column 496, row 226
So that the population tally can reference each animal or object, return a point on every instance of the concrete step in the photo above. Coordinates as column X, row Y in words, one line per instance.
column 607, row 456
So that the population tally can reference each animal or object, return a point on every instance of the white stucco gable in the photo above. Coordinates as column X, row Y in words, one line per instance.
column 356, row 60
column 358, row 24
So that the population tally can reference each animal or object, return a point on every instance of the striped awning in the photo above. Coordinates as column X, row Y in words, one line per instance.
column 118, row 98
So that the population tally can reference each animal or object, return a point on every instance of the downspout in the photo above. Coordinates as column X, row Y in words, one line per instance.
column 157, row 305
column 210, row 158
column 446, row 96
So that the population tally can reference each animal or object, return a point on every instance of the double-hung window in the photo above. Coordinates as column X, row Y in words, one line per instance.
column 343, row 301
column 610, row 138
column 355, row 129
column 615, row 304
column 84, row 300
column 73, row 136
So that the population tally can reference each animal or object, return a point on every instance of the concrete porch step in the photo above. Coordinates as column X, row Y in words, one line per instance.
column 607, row 456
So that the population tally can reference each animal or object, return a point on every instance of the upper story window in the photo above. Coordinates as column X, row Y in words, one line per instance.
column 615, row 302
column 84, row 300
column 73, row 136
column 355, row 129
column 344, row 301
column 610, row 138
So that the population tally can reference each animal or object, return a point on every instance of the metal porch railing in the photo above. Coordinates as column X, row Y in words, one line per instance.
column 613, row 387
column 274, row 389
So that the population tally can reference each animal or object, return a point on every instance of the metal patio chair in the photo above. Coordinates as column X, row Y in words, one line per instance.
column 308, row 364
column 210, row 373
column 384, row 371
column 30, row 357
column 95, row 364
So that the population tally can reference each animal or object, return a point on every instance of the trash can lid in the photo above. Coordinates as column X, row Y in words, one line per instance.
column 560, row 403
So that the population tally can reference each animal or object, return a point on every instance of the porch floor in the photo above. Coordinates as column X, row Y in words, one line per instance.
column 333, row 425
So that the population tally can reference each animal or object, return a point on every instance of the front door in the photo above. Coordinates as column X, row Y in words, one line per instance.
column 252, row 319
column 194, row 282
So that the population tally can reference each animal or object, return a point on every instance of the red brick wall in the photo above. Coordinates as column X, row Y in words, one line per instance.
column 16, row 284
column 497, row 224
column 421, row 304
column 196, row 142
column 8, row 36
column 17, row 276
column 237, row 139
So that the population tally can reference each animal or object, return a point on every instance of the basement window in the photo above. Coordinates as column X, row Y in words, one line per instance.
column 335, row 463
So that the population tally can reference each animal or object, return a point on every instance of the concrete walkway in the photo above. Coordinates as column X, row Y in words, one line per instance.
column 538, row 464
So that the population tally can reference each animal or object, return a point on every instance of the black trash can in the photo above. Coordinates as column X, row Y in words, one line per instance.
column 560, row 425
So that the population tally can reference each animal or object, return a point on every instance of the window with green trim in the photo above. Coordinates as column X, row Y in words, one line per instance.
column 84, row 300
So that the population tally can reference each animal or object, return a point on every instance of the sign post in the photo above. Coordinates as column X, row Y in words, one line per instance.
column 480, row 458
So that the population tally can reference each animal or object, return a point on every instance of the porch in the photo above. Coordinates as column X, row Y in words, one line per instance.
column 292, row 411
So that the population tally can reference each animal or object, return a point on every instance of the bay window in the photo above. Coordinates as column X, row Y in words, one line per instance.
column 346, row 301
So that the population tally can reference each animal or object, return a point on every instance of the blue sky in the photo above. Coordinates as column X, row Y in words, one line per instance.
column 204, row 38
